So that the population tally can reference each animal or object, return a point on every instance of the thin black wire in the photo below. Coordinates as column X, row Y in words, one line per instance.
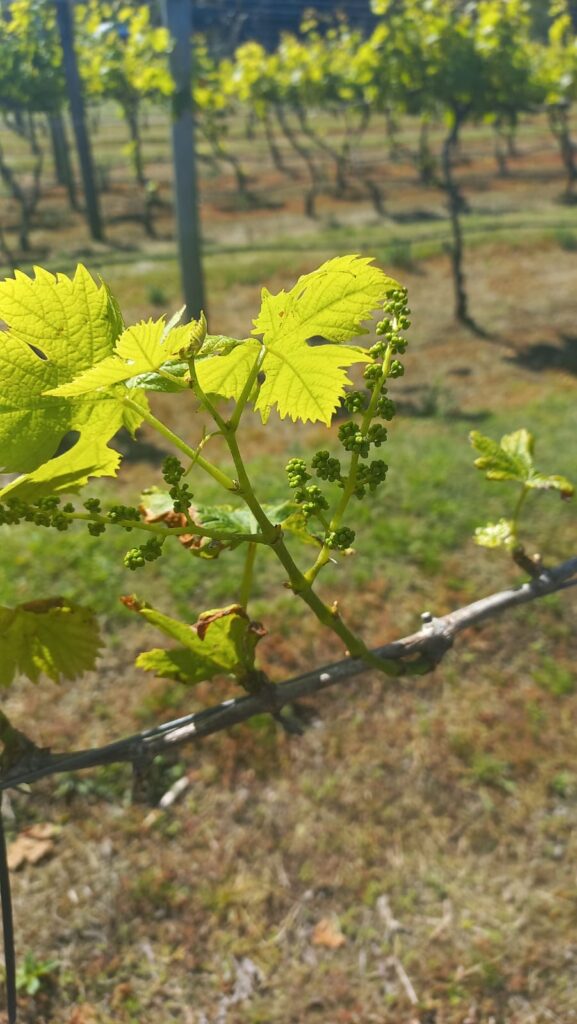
column 7, row 929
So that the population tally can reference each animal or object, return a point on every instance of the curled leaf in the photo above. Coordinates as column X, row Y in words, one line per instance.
column 511, row 458
column 221, row 642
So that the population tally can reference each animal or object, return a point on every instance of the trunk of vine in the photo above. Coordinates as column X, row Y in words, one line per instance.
column 572, row 12
column 304, row 153
column 392, row 136
column 425, row 159
column 241, row 179
column 559, row 122
column 339, row 158
column 131, row 116
column 376, row 196
column 76, row 100
column 26, row 198
column 274, row 151
column 455, row 205
column 250, row 126
column 6, row 250
column 511, row 135
column 61, row 154
column 354, row 134
column 501, row 150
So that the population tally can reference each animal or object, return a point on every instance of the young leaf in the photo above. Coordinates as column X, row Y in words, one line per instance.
column 158, row 380
column 57, row 328
column 226, row 374
column 301, row 381
column 540, row 482
column 170, row 377
column 496, row 535
column 305, row 383
column 221, row 642
column 332, row 302
column 142, row 348
column 512, row 459
column 52, row 636
column 509, row 459
column 157, row 506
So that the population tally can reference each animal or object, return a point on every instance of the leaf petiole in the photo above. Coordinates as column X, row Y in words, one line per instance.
column 248, row 575
column 192, row 453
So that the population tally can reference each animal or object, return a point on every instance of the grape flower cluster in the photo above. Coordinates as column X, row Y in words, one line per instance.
column 360, row 435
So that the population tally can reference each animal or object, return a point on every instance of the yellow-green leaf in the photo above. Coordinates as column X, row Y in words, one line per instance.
column 221, row 642
column 58, row 327
column 51, row 636
column 139, row 349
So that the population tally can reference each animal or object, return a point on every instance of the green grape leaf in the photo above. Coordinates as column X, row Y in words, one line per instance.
column 51, row 636
column 509, row 459
column 299, row 526
column 57, row 327
column 221, row 642
column 156, row 381
column 140, row 349
column 301, row 381
column 239, row 520
column 496, row 535
column 213, row 345
column 512, row 459
column 306, row 383
column 541, row 482
column 217, row 345
column 226, row 374
column 156, row 505
column 332, row 302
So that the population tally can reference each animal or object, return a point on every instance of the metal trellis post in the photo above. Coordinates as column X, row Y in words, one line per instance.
column 177, row 17
column 74, row 87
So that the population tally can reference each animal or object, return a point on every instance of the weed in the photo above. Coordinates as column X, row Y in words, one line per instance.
column 33, row 975
column 555, row 678
column 488, row 770
column 399, row 254
column 564, row 784
column 157, row 296
column 154, row 891
column 111, row 783
column 566, row 239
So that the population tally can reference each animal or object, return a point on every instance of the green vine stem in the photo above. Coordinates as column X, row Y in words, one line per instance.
column 325, row 554
column 167, row 531
column 517, row 510
column 248, row 574
column 299, row 584
column 271, row 534
column 246, row 391
column 192, row 453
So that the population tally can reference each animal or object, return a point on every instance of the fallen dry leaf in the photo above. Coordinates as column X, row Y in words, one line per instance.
column 31, row 846
column 327, row 932
column 83, row 1014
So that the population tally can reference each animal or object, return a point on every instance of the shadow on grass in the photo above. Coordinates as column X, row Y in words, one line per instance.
column 546, row 356
column 138, row 451
column 433, row 405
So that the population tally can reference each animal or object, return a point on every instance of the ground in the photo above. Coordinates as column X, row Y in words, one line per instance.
column 411, row 857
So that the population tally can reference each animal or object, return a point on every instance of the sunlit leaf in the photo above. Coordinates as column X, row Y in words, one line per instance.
column 221, row 642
